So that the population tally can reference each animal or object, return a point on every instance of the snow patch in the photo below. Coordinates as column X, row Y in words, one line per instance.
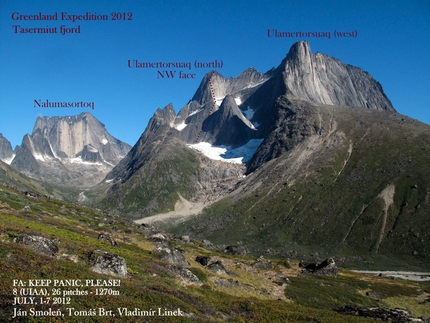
column 39, row 157
column 237, row 155
column 92, row 149
column 256, row 84
column 195, row 112
column 9, row 160
column 238, row 101
column 53, row 151
column 107, row 163
column 181, row 126
column 82, row 197
column 104, row 141
column 78, row 160
column 109, row 180
column 219, row 100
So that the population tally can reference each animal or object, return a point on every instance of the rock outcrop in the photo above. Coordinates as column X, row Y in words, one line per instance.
column 186, row 274
column 169, row 254
column 38, row 244
column 326, row 268
column 217, row 267
column 235, row 250
column 105, row 237
column 107, row 263
column 203, row 260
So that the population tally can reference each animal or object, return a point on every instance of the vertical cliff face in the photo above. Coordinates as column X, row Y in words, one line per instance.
column 215, row 85
column 69, row 136
column 318, row 78
column 77, row 149
column 216, row 107
column 6, row 152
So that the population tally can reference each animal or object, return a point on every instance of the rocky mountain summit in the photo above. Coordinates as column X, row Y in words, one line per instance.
column 318, row 78
column 69, row 151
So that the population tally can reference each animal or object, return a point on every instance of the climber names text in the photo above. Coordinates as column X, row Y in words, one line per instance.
column 55, row 297
column 62, row 298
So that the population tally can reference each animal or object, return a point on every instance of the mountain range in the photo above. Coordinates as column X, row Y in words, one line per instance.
column 309, row 158
column 69, row 151
column 253, row 118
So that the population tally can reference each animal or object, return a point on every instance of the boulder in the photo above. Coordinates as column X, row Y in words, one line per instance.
column 171, row 255
column 203, row 260
column 103, row 262
column 263, row 263
column 230, row 283
column 326, row 268
column 39, row 244
column 186, row 274
column 186, row 239
column 217, row 267
column 109, row 239
column 374, row 294
column 158, row 237
column 235, row 250
column 206, row 244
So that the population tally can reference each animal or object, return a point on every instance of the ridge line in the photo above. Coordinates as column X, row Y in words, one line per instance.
column 210, row 111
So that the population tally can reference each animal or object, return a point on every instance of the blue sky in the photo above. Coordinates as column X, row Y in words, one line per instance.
column 393, row 45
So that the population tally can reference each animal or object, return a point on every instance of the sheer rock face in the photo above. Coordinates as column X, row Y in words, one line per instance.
column 319, row 78
column 214, row 114
column 77, row 150
column 68, row 136
column 228, row 126
column 223, row 86
column 6, row 152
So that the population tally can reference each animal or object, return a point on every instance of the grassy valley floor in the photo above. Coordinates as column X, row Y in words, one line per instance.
column 252, row 289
